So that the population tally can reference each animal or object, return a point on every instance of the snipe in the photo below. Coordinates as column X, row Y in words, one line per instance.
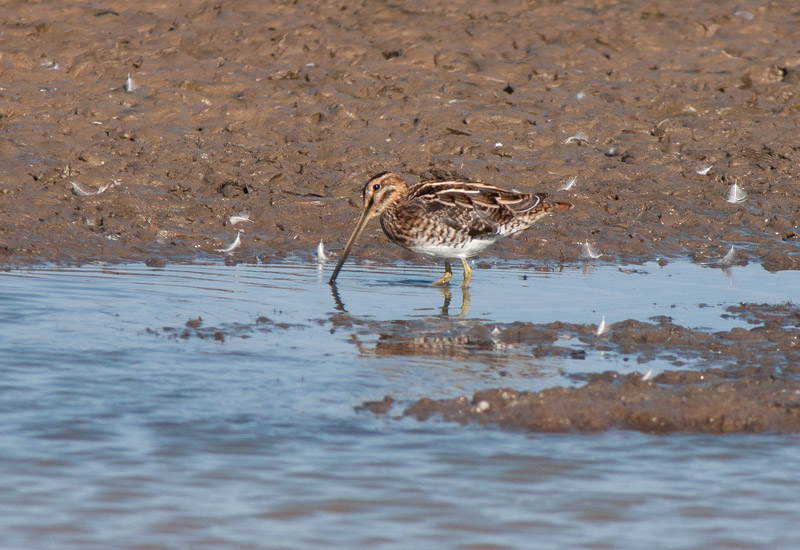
column 447, row 219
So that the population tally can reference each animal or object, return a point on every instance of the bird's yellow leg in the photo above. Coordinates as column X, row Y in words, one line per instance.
column 467, row 273
column 448, row 274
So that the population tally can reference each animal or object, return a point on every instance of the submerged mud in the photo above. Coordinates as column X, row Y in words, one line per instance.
column 773, row 341
column 748, row 379
column 159, row 131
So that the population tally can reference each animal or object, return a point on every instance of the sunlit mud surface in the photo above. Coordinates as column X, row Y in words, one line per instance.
column 186, row 114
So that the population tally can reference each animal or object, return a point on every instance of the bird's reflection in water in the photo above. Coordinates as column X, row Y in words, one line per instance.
column 447, row 297
column 338, row 304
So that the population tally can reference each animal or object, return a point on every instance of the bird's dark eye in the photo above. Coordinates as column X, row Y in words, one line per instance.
column 376, row 187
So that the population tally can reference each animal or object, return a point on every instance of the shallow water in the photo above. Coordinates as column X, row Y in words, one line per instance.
column 123, row 428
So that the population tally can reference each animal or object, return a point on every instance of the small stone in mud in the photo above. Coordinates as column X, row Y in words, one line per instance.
column 232, row 189
column 194, row 323
column 377, row 407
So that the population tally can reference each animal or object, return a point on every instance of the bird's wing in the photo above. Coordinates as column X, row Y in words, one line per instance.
column 474, row 207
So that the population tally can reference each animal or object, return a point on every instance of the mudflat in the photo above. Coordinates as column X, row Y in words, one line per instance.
column 134, row 132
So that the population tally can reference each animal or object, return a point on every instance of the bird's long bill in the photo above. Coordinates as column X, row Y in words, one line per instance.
column 362, row 222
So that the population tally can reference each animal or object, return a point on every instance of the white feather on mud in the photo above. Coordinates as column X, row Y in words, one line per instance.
column 735, row 194
column 570, row 182
column 588, row 251
column 728, row 258
column 602, row 328
column 240, row 218
column 130, row 84
column 580, row 137
column 83, row 192
column 704, row 170
column 321, row 255
column 233, row 246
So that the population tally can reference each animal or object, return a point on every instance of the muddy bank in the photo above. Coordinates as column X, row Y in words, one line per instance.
column 773, row 341
column 747, row 382
column 739, row 380
column 186, row 114
column 159, row 132
column 706, row 401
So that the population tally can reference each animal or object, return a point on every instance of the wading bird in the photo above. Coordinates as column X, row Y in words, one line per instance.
column 447, row 219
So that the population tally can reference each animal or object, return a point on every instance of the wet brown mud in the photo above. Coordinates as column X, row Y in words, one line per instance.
column 747, row 382
column 284, row 110
column 185, row 114
column 717, row 402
